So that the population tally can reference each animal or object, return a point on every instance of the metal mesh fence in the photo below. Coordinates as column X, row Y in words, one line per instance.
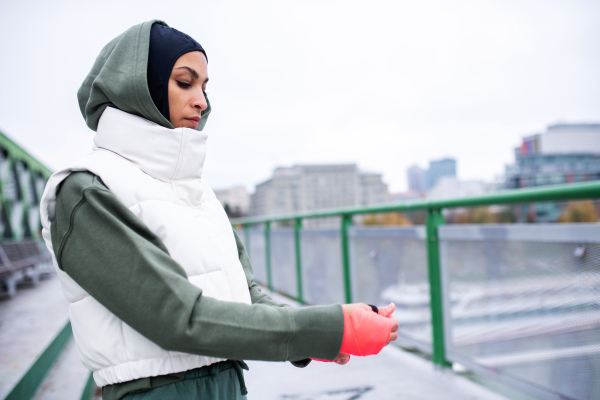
column 256, row 251
column 389, row 264
column 523, row 302
column 322, row 274
column 283, row 261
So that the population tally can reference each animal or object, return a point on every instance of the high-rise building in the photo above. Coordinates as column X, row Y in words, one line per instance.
column 416, row 178
column 438, row 169
column 313, row 187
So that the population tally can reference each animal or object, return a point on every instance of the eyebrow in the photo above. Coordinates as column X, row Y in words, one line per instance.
column 193, row 72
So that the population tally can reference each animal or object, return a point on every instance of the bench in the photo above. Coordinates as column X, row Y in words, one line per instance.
column 23, row 262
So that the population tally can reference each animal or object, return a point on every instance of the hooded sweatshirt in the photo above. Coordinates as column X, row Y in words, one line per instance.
column 144, row 251
column 119, row 79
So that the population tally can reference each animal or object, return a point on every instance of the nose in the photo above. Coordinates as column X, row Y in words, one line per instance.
column 199, row 101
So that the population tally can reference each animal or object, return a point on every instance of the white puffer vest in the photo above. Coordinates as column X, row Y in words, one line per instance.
column 156, row 173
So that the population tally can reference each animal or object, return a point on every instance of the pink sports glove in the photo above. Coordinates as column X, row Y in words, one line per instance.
column 365, row 333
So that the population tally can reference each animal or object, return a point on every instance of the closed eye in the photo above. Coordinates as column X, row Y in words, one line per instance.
column 184, row 85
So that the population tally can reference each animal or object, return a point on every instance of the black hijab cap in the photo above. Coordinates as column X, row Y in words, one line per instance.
column 166, row 46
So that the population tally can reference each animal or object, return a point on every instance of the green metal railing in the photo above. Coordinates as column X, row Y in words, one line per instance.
column 580, row 191
column 22, row 180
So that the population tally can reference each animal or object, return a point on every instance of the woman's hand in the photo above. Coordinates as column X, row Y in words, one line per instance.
column 366, row 333
column 383, row 311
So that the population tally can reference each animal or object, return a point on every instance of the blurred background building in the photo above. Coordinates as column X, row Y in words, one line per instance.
column 416, row 178
column 448, row 187
column 314, row 187
column 565, row 153
column 235, row 200
column 438, row 169
column 421, row 180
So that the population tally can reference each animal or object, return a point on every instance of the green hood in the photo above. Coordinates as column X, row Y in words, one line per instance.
column 118, row 79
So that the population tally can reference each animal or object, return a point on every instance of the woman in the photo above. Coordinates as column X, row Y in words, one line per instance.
column 163, row 300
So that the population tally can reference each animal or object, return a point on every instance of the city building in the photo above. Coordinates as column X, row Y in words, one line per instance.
column 416, row 179
column 438, row 169
column 421, row 180
column 449, row 187
column 565, row 153
column 315, row 187
column 236, row 201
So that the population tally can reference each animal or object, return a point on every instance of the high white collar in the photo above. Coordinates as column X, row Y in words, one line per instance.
column 163, row 153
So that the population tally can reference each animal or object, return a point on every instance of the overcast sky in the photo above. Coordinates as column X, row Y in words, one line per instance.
column 385, row 84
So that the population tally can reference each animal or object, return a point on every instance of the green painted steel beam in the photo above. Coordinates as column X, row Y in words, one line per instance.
column 298, row 252
column 22, row 179
column 268, row 254
column 88, row 390
column 345, row 224
column 435, row 219
column 574, row 191
column 247, row 238
column 29, row 383
column 16, row 152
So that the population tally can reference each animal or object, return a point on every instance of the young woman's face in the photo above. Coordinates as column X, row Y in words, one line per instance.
column 186, row 90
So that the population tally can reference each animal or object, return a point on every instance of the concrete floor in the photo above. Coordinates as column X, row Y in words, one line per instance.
column 390, row 375
column 28, row 323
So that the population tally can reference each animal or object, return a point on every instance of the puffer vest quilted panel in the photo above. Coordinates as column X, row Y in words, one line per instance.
column 171, row 198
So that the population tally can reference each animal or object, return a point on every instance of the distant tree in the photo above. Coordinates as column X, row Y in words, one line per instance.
column 288, row 223
column 387, row 219
column 506, row 216
column 371, row 220
column 579, row 211
column 479, row 215
column 418, row 217
column 483, row 215
column 395, row 219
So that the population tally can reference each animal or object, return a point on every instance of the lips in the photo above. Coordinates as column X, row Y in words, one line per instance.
column 194, row 121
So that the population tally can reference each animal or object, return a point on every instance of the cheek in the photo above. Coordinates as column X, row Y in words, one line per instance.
column 171, row 93
column 176, row 98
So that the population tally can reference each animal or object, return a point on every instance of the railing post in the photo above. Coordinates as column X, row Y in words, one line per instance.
column 247, row 238
column 268, row 254
column 297, row 228
column 346, row 223
column 434, row 220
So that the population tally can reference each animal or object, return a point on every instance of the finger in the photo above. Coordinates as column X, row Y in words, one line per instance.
column 395, row 324
column 387, row 310
column 393, row 336
column 342, row 359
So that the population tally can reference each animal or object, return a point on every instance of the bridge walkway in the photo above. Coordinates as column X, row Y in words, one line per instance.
column 35, row 316
column 391, row 375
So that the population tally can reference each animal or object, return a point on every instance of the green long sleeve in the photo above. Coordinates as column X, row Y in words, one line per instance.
column 111, row 254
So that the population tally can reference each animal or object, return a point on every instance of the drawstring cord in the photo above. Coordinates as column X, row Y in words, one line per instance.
column 237, row 365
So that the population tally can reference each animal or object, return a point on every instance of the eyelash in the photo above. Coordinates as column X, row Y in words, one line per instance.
column 184, row 85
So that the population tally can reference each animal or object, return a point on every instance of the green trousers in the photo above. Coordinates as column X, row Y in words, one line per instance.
column 221, row 381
